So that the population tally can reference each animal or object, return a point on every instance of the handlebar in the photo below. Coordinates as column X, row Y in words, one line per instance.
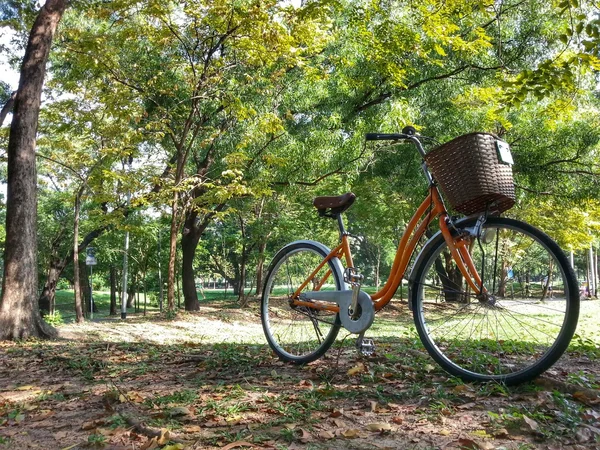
column 408, row 132
column 385, row 136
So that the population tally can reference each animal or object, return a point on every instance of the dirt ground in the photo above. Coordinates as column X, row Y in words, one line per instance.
column 208, row 380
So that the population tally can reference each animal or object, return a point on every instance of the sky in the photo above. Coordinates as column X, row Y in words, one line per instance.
column 6, row 73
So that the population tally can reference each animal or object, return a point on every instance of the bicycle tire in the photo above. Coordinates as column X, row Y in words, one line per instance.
column 515, row 334
column 299, row 335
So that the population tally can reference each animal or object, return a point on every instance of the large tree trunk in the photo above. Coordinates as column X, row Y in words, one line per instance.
column 20, row 316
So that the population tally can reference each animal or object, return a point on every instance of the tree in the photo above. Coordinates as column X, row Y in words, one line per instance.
column 19, row 313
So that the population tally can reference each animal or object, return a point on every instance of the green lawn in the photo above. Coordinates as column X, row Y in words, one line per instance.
column 65, row 302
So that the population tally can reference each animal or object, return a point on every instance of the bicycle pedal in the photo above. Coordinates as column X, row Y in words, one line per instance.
column 366, row 347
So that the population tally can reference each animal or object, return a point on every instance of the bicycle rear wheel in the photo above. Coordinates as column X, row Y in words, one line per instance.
column 299, row 334
column 517, row 331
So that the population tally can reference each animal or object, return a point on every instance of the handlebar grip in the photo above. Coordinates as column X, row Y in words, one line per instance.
column 384, row 136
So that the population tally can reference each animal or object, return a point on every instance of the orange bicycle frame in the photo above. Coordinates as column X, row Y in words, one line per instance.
column 431, row 208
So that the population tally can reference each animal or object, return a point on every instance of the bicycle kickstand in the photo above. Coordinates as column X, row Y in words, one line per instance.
column 365, row 346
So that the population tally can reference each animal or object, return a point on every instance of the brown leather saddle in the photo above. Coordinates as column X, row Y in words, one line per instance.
column 334, row 206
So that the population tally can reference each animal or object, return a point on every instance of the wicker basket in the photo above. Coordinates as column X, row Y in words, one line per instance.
column 470, row 175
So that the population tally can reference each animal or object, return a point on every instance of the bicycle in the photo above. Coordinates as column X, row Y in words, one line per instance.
column 458, row 282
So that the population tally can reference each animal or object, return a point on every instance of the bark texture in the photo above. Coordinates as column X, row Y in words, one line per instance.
column 20, row 316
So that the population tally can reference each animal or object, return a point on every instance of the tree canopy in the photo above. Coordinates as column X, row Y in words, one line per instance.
column 222, row 119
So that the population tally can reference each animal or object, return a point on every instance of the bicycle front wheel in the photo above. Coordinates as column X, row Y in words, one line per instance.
column 524, row 323
column 299, row 334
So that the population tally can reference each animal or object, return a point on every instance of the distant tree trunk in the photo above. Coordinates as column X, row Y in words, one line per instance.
column 260, row 267
column 79, row 315
column 378, row 268
column 47, row 298
column 131, row 291
column 86, row 289
column 57, row 265
column 172, row 254
column 503, row 279
column 113, row 291
column 592, row 285
column 20, row 316
column 547, row 283
column 596, row 272
column 451, row 278
column 241, row 287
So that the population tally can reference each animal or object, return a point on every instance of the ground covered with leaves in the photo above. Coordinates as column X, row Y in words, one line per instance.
column 208, row 380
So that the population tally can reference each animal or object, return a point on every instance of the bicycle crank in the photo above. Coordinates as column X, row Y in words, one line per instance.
column 355, row 321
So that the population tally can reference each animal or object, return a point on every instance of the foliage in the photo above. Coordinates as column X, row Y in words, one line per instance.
column 258, row 107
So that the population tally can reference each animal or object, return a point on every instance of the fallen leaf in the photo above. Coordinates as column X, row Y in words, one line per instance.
column 92, row 424
column 70, row 447
column 238, row 444
column 336, row 413
column 305, row 436
column 135, row 397
column 583, row 435
column 466, row 406
column 502, row 433
column 379, row 427
column 533, row 425
column 165, row 436
column 151, row 444
column 444, row 432
column 397, row 420
column 326, row 434
column 351, row 433
column 179, row 411
column 339, row 423
column 359, row 368
column 61, row 435
column 429, row 368
column 469, row 444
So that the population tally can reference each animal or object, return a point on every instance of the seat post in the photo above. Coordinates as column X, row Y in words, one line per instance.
column 340, row 222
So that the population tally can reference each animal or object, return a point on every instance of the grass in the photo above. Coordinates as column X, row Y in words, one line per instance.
column 65, row 300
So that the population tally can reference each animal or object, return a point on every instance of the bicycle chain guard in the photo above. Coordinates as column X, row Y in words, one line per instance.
column 364, row 316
